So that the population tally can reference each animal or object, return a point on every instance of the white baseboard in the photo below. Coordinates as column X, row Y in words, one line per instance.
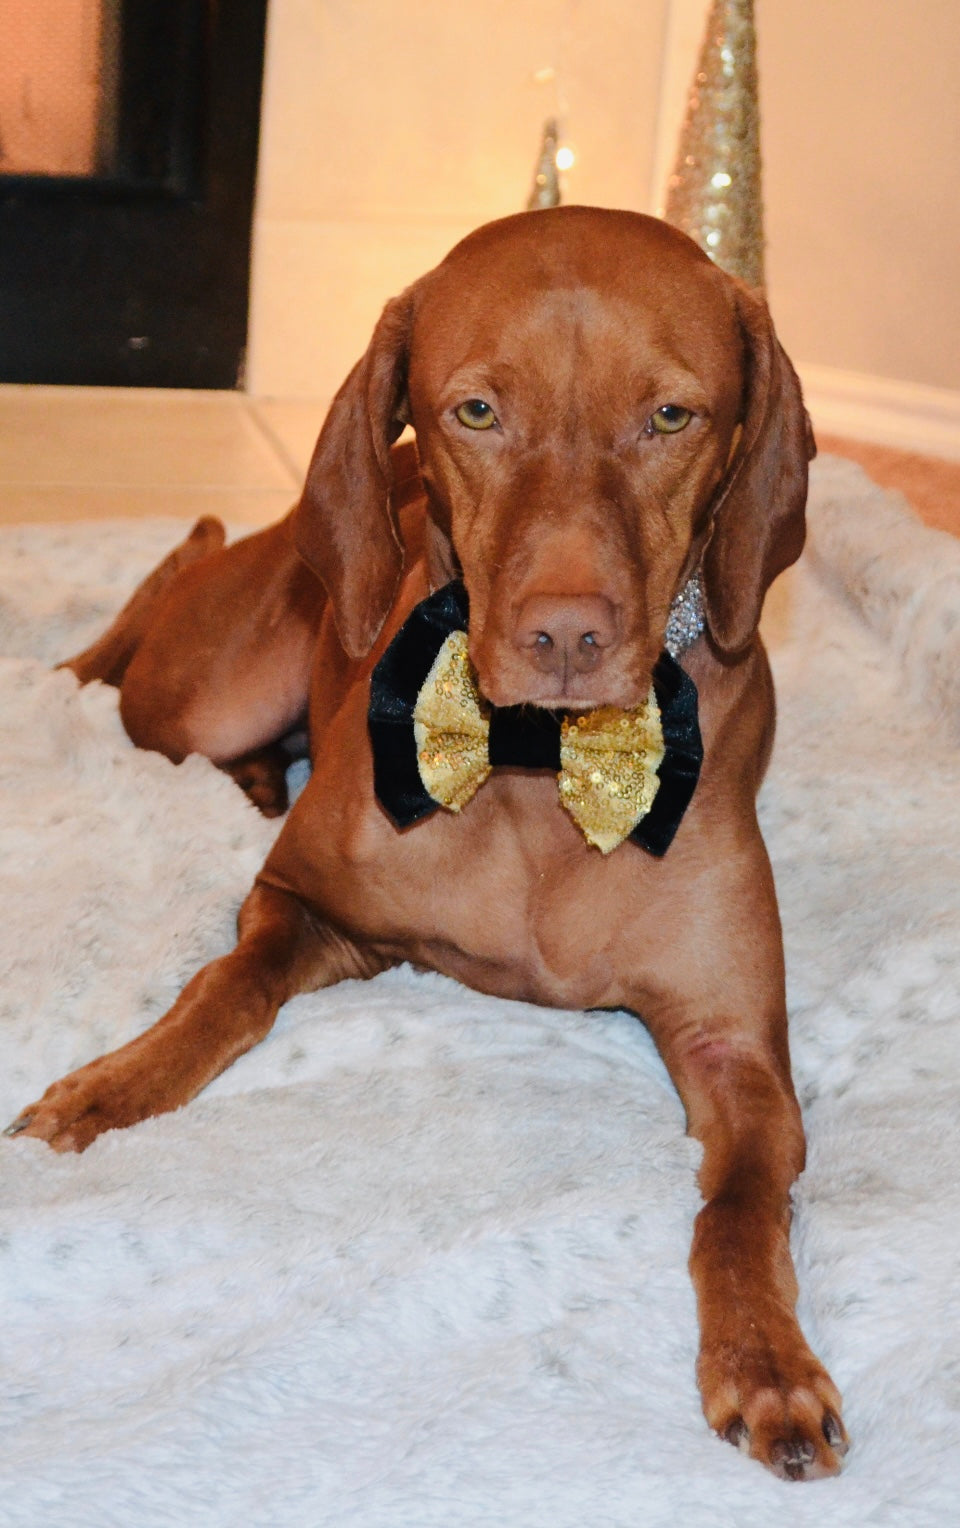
column 901, row 414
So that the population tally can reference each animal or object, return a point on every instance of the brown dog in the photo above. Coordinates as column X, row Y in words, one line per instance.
column 599, row 413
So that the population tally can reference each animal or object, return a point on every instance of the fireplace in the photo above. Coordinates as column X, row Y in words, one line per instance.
column 128, row 145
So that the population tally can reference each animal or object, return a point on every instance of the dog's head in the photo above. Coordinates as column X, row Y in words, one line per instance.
column 599, row 411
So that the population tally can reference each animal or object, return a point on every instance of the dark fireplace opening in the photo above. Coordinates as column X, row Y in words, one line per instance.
column 128, row 149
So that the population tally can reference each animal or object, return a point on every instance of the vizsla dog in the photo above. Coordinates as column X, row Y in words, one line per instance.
column 604, row 423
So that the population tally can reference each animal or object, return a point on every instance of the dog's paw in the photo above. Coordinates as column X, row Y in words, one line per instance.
column 782, row 1410
column 74, row 1111
column 261, row 776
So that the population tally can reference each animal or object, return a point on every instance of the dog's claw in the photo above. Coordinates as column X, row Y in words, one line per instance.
column 834, row 1433
column 737, row 1433
column 791, row 1452
column 22, row 1122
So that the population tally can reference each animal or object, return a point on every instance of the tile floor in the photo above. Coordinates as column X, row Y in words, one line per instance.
column 69, row 453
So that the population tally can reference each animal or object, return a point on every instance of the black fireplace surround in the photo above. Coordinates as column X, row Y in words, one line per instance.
column 139, row 275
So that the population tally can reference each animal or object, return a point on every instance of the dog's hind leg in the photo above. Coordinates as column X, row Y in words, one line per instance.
column 212, row 655
column 108, row 657
column 224, row 668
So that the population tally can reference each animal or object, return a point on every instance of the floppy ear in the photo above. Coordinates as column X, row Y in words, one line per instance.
column 344, row 525
column 758, row 517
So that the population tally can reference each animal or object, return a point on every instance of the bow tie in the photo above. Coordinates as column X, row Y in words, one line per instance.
column 621, row 774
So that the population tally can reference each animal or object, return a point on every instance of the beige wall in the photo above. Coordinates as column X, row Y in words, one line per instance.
column 389, row 130
column 861, row 142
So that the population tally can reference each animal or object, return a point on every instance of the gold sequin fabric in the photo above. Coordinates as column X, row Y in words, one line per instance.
column 714, row 191
column 451, row 726
column 609, row 769
column 609, row 758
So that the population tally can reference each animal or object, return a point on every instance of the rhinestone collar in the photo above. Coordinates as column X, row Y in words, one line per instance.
column 686, row 621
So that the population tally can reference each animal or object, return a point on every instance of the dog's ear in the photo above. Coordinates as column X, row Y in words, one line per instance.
column 344, row 525
column 758, row 515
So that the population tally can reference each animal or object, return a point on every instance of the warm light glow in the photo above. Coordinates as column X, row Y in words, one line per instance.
column 565, row 158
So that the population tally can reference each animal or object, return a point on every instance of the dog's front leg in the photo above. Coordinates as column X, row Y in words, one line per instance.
column 719, row 1020
column 222, row 1012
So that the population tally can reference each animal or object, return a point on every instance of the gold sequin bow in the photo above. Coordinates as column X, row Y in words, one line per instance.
column 608, row 758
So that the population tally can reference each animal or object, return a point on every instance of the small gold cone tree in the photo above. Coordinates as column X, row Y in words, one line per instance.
column 545, row 191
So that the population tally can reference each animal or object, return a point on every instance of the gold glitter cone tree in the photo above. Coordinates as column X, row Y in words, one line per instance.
column 714, row 191
column 546, row 181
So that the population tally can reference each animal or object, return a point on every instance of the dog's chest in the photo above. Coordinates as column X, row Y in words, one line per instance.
column 505, row 895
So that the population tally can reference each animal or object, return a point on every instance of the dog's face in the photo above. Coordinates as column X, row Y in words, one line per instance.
column 597, row 410
column 575, row 400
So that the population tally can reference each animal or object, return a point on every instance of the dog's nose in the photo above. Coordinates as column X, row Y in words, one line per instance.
column 566, row 634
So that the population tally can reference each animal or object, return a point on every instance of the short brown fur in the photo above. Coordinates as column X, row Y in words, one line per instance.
column 575, row 326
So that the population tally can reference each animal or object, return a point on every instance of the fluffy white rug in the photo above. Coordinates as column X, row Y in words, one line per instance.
column 420, row 1259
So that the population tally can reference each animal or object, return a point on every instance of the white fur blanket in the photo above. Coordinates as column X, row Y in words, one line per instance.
column 420, row 1258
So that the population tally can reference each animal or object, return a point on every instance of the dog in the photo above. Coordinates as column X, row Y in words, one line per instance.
column 605, row 427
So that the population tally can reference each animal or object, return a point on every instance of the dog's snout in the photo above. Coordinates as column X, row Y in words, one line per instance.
column 567, row 634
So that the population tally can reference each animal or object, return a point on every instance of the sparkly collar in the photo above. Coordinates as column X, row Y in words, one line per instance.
column 686, row 620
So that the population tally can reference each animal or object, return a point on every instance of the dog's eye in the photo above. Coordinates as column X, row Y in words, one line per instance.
column 669, row 419
column 476, row 414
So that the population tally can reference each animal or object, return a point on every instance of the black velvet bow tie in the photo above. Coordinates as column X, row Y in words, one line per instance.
column 435, row 738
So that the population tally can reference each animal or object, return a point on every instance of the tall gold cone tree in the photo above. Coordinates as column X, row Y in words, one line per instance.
column 546, row 181
column 714, row 191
